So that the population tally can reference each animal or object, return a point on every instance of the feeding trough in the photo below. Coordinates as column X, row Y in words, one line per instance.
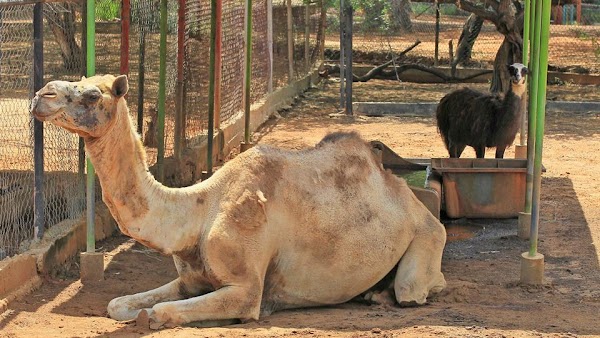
column 482, row 188
column 463, row 187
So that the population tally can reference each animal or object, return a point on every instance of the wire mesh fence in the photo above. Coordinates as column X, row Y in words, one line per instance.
column 378, row 34
column 187, row 67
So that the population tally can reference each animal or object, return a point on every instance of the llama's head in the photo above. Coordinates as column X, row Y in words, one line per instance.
column 517, row 72
column 87, row 107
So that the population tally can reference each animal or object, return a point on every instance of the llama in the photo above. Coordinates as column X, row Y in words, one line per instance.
column 466, row 117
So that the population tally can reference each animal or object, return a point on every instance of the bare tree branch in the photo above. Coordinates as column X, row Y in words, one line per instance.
column 492, row 3
column 478, row 10
column 402, row 68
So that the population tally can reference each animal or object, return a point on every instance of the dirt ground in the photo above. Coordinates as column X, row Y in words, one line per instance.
column 483, row 297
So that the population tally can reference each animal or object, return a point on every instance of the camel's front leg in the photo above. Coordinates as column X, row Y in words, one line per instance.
column 229, row 302
column 128, row 307
column 419, row 271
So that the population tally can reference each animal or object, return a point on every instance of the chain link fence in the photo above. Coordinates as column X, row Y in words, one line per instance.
column 379, row 33
column 63, row 59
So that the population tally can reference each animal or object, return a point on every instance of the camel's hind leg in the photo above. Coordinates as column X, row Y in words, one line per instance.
column 419, row 271
column 128, row 307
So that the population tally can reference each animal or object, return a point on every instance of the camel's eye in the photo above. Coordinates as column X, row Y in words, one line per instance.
column 50, row 95
column 92, row 95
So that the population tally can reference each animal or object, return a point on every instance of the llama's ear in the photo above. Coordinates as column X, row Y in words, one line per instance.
column 83, row 77
column 120, row 86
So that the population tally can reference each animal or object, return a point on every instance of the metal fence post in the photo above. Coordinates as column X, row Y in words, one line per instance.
column 290, row 38
column 270, row 42
column 162, row 92
column 342, row 57
column 91, row 175
column 38, row 127
column 125, row 30
column 248, row 72
column 348, row 16
column 178, row 137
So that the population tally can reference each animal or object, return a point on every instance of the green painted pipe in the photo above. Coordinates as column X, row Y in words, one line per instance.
column 541, row 117
column 533, row 102
column 162, row 89
column 211, row 87
column 91, row 175
column 248, row 71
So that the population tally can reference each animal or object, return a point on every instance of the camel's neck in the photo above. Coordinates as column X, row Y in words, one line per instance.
column 146, row 210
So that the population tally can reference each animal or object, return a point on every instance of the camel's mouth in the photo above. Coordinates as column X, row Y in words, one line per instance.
column 37, row 107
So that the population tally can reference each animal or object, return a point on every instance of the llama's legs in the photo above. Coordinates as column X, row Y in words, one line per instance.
column 480, row 151
column 128, row 307
column 500, row 151
column 419, row 271
column 455, row 150
column 229, row 302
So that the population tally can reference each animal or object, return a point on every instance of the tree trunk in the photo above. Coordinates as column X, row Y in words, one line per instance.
column 469, row 34
column 401, row 10
column 510, row 51
column 61, row 19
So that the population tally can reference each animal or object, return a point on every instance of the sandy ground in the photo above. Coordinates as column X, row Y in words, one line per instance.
column 483, row 297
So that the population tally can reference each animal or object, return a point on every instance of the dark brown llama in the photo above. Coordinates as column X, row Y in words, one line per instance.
column 467, row 117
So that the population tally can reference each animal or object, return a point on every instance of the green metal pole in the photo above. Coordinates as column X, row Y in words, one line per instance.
column 533, row 102
column 526, row 17
column 211, row 86
column 248, row 71
column 91, row 175
column 526, row 23
column 541, row 116
column 162, row 89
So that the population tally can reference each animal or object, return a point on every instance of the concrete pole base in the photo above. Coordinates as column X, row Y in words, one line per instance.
column 245, row 146
column 521, row 151
column 92, row 267
column 524, row 230
column 532, row 268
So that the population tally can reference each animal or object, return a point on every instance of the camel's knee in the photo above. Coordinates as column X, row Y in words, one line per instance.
column 419, row 272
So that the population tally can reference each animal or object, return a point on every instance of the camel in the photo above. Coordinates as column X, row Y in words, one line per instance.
column 272, row 229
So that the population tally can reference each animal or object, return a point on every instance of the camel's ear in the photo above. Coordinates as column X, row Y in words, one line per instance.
column 83, row 77
column 120, row 86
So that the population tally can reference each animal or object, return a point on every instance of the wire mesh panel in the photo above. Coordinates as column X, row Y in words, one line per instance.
column 62, row 190
column 16, row 166
column 280, row 44
column 233, row 59
column 64, row 193
column 385, row 28
column 197, row 48
column 260, row 53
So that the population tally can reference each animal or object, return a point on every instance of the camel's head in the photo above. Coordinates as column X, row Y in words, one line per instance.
column 87, row 107
column 517, row 72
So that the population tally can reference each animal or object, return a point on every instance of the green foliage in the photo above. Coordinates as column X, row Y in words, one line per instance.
column 108, row 10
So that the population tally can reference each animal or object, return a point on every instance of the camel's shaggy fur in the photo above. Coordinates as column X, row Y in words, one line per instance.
column 270, row 230
column 467, row 117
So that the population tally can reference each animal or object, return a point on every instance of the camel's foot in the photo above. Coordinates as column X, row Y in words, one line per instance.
column 384, row 297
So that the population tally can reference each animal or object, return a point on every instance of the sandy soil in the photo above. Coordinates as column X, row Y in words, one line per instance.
column 483, row 297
